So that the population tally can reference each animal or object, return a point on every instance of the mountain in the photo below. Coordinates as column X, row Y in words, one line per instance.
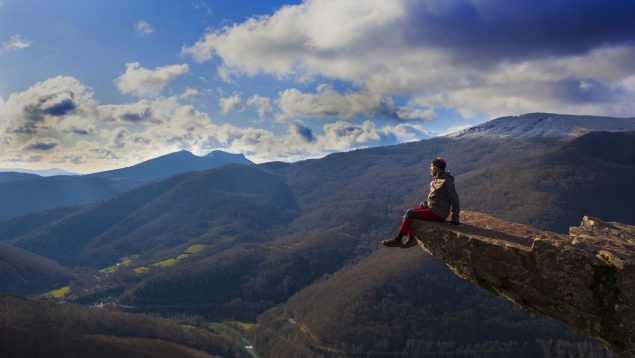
column 589, row 175
column 545, row 125
column 160, row 218
column 243, row 281
column 39, row 172
column 338, row 208
column 169, row 165
column 42, row 193
column 23, row 272
column 398, row 302
column 24, row 224
column 6, row 177
column 33, row 328
column 51, row 192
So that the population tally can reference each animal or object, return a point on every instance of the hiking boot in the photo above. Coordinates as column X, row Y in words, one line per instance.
column 410, row 242
column 392, row 242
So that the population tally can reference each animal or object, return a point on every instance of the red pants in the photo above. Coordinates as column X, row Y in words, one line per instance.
column 417, row 214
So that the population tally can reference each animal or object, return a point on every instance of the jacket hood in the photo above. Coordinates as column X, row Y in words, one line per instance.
column 446, row 175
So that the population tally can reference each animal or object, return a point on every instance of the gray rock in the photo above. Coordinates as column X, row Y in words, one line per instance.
column 597, row 228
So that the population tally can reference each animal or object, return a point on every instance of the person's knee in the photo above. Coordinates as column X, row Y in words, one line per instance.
column 409, row 214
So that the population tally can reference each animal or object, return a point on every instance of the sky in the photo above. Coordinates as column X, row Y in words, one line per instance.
column 94, row 85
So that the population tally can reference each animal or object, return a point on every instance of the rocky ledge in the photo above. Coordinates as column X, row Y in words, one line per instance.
column 585, row 279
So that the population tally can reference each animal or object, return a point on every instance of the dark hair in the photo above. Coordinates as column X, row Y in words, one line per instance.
column 439, row 163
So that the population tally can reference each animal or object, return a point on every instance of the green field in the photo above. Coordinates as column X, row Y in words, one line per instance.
column 125, row 261
column 59, row 293
column 192, row 250
column 195, row 249
column 142, row 269
column 245, row 326
column 164, row 263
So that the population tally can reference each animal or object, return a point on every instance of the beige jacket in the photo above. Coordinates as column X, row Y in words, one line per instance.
column 443, row 197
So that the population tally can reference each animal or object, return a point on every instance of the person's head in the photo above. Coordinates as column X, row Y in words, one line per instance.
column 437, row 166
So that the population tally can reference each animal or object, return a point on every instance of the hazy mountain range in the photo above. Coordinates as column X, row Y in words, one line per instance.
column 29, row 193
column 40, row 172
column 295, row 246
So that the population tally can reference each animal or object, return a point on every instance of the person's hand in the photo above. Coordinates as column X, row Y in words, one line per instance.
column 455, row 223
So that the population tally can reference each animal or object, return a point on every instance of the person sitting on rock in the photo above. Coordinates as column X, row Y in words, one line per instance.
column 441, row 198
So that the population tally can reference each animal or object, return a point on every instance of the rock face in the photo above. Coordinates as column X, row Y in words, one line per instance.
column 585, row 279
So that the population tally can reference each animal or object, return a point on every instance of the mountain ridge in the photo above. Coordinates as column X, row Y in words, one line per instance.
column 43, row 193
column 545, row 125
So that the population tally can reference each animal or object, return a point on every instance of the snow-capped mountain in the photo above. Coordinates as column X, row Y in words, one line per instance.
column 545, row 125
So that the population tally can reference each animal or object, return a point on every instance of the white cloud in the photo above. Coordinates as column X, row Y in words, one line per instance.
column 42, row 144
column 15, row 43
column 145, row 82
column 261, row 104
column 143, row 28
column 406, row 132
column 343, row 135
column 60, row 103
column 405, row 47
column 59, row 121
column 189, row 93
column 230, row 103
column 327, row 102
column 135, row 112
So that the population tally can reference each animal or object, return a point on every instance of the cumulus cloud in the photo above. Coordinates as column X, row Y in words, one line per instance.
column 303, row 132
column 60, row 102
column 128, row 112
column 343, row 135
column 227, row 104
column 444, row 52
column 146, row 82
column 41, row 144
column 15, row 43
column 410, row 112
column 261, row 104
column 59, row 121
column 189, row 93
column 143, row 28
column 327, row 102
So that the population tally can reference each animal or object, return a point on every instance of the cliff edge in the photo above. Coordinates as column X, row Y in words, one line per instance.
column 585, row 279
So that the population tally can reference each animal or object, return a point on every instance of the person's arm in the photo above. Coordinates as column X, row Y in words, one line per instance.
column 454, row 201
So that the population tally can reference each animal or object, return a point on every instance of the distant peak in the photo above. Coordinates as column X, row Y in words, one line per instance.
column 181, row 154
column 545, row 125
column 223, row 153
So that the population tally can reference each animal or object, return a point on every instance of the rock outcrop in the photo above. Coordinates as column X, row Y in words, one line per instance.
column 585, row 279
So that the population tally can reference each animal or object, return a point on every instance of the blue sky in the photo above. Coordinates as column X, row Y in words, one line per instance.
column 95, row 85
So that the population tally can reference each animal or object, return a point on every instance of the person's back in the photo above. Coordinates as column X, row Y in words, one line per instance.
column 443, row 196
column 442, row 199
